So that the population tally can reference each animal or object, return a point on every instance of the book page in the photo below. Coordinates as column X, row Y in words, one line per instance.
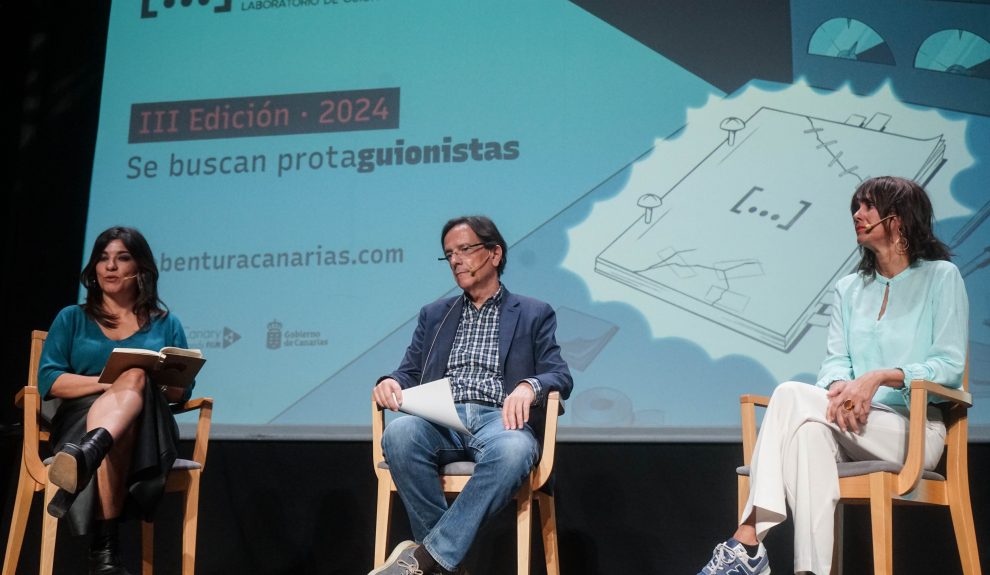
column 434, row 402
column 181, row 351
column 137, row 351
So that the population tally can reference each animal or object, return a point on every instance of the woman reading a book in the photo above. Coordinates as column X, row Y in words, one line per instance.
column 114, row 442
column 902, row 316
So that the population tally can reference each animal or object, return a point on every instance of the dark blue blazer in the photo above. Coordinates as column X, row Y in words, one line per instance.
column 527, row 346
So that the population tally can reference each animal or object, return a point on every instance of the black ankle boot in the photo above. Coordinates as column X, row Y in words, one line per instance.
column 103, row 559
column 75, row 465
column 60, row 503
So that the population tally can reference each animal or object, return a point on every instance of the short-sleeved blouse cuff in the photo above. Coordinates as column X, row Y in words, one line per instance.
column 45, row 388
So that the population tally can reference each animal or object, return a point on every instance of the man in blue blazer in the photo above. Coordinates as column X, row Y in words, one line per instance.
column 502, row 358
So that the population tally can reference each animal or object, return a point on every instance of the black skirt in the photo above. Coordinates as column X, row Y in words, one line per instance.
column 154, row 454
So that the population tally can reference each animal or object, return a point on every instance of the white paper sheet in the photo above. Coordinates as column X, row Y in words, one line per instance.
column 434, row 402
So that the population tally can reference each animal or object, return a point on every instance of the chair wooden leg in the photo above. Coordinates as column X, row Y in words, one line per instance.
column 742, row 486
column 147, row 548
column 548, row 529
column 837, row 540
column 524, row 525
column 881, row 512
column 26, row 486
column 190, row 524
column 49, row 530
column 382, row 518
column 962, row 523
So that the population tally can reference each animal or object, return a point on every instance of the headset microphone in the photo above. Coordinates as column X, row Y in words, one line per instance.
column 473, row 271
column 129, row 277
column 870, row 227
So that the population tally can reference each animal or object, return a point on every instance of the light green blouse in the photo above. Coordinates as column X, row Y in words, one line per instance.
column 923, row 332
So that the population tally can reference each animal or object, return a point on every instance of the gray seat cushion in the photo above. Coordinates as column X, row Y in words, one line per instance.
column 855, row 468
column 179, row 463
column 186, row 464
column 455, row 468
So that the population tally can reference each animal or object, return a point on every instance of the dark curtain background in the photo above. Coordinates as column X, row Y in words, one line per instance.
column 53, row 71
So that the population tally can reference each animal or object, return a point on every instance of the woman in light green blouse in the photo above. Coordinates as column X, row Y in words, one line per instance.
column 902, row 316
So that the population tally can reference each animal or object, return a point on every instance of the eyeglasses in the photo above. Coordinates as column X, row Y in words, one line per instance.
column 461, row 251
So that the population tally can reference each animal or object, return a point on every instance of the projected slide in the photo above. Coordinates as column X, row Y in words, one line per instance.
column 292, row 164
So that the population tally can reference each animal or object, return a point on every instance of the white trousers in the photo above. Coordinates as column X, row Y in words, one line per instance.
column 795, row 462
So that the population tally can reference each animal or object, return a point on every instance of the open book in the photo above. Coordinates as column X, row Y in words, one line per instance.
column 171, row 366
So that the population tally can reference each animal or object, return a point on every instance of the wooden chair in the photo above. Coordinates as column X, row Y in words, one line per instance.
column 455, row 476
column 184, row 477
column 881, row 484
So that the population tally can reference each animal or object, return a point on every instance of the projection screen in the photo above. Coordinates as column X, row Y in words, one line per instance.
column 292, row 162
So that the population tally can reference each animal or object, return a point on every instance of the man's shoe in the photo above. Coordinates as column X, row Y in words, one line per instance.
column 402, row 561
column 730, row 558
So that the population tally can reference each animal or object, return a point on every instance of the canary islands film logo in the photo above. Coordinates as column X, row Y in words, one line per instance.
column 212, row 338
column 152, row 8
column 277, row 337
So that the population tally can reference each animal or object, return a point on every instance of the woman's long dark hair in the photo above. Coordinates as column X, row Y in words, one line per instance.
column 147, row 305
column 893, row 196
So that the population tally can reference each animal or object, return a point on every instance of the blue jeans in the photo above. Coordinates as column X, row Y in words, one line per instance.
column 415, row 450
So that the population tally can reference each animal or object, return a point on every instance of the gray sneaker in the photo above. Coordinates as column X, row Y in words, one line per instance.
column 402, row 561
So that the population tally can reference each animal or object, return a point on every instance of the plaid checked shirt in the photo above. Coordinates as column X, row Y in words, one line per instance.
column 473, row 368
column 473, row 364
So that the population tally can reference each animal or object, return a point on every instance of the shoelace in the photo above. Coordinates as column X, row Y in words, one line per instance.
column 723, row 555
column 410, row 568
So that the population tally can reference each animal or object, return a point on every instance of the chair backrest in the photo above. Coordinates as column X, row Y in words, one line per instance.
column 37, row 343
column 30, row 400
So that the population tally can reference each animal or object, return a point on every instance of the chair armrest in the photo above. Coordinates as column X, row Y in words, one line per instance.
column 195, row 403
column 202, row 440
column 545, row 467
column 377, row 429
column 747, row 409
column 758, row 400
column 957, row 396
column 908, row 478
column 30, row 400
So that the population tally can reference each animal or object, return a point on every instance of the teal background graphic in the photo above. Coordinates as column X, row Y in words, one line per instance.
column 602, row 114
